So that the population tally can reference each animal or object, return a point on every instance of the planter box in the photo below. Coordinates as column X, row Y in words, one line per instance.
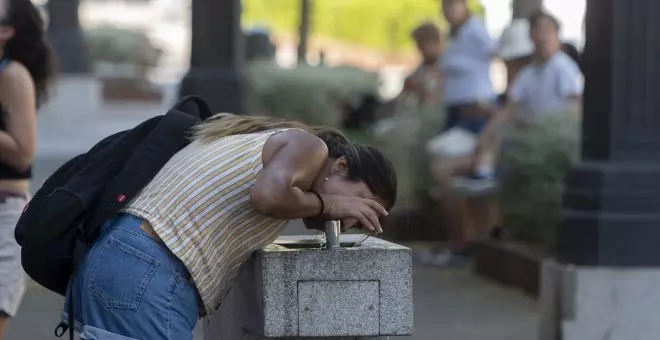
column 414, row 224
column 130, row 90
column 510, row 264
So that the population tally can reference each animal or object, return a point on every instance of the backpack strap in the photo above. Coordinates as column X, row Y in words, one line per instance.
column 170, row 135
column 201, row 109
column 4, row 63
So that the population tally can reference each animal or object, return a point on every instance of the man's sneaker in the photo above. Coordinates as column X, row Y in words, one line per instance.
column 500, row 234
column 474, row 185
column 444, row 259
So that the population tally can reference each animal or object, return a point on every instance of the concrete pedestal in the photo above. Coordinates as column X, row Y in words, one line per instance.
column 290, row 290
column 595, row 303
column 74, row 95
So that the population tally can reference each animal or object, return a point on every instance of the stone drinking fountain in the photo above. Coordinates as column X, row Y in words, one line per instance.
column 346, row 287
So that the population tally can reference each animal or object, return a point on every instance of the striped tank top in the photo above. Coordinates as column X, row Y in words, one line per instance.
column 199, row 205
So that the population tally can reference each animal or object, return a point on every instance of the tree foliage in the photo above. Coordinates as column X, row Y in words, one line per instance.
column 375, row 23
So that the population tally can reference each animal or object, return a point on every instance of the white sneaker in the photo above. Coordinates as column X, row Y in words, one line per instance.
column 474, row 186
column 445, row 259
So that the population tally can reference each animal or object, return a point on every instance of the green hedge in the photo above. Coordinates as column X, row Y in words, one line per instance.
column 534, row 163
column 122, row 46
column 402, row 137
column 314, row 95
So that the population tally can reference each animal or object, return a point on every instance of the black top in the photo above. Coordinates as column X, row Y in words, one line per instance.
column 6, row 171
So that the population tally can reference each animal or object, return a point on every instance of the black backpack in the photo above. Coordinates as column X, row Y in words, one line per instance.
column 65, row 215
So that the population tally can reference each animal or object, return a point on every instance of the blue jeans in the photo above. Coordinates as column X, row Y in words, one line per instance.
column 130, row 286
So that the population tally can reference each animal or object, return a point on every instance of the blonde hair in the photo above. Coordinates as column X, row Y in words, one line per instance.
column 227, row 124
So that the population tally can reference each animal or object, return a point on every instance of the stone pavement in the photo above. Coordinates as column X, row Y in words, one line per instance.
column 448, row 304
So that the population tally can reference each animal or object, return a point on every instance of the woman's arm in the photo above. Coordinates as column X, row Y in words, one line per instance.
column 17, row 95
column 292, row 160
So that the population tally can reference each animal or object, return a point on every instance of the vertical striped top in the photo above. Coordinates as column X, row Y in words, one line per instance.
column 199, row 205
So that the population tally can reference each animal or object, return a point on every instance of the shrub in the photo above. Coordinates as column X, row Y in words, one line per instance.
column 121, row 46
column 402, row 137
column 311, row 94
column 534, row 164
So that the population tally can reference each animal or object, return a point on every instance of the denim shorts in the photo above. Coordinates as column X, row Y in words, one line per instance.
column 456, row 119
column 130, row 286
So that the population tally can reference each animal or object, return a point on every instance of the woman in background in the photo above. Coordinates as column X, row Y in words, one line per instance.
column 26, row 67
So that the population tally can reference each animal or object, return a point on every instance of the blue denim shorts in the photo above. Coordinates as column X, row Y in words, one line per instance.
column 130, row 286
column 456, row 119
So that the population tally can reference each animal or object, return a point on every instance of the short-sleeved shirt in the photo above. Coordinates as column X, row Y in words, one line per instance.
column 547, row 87
column 465, row 65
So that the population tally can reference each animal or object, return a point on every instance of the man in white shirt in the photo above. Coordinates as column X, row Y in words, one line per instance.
column 551, row 83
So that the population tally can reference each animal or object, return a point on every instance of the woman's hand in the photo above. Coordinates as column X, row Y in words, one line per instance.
column 353, row 210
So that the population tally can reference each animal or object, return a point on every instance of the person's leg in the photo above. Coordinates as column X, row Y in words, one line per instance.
column 132, row 287
column 482, row 179
column 3, row 322
column 485, row 210
column 453, row 209
column 12, row 277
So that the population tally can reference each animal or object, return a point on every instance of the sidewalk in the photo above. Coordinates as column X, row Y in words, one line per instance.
column 449, row 305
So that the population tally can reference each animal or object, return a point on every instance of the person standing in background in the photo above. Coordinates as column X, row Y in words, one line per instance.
column 26, row 67
column 469, row 98
column 550, row 84
column 425, row 83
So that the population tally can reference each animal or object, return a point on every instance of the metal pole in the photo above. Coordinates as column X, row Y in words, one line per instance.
column 303, row 32
column 332, row 233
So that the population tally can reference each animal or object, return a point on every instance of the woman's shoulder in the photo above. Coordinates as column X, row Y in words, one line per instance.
column 16, row 75
column 15, row 70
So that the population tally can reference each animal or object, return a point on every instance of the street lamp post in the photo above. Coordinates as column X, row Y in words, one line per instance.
column 67, row 38
column 217, row 57
column 608, row 253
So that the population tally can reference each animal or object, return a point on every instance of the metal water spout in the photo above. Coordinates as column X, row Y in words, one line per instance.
column 332, row 233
